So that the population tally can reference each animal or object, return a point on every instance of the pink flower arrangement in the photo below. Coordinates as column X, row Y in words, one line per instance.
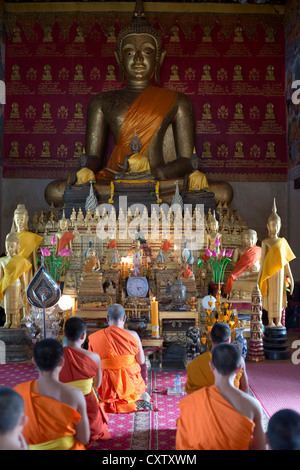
column 216, row 261
column 55, row 265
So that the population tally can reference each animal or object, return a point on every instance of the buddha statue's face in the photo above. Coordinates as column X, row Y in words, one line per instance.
column 249, row 239
column 274, row 226
column 11, row 248
column 195, row 163
column 139, row 57
column 21, row 222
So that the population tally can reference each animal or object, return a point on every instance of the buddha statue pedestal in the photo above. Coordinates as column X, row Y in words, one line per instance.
column 18, row 345
column 275, row 344
column 242, row 290
column 207, row 198
column 90, row 289
column 136, row 191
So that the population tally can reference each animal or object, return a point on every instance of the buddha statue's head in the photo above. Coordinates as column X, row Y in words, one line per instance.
column 12, row 244
column 20, row 221
column 274, row 221
column 195, row 161
column 249, row 238
column 139, row 53
column 135, row 144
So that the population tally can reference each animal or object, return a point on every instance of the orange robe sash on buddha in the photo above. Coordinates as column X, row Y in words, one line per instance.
column 276, row 258
column 122, row 383
column 51, row 424
column 208, row 422
column 17, row 266
column 64, row 241
column 199, row 373
column 248, row 259
column 144, row 117
column 77, row 368
column 29, row 241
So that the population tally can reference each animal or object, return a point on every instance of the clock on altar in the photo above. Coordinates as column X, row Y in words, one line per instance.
column 137, row 286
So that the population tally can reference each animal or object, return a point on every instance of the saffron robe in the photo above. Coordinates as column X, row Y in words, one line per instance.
column 276, row 258
column 197, row 181
column 122, row 383
column 64, row 241
column 144, row 117
column 199, row 373
column 29, row 242
column 248, row 259
column 208, row 422
column 84, row 176
column 78, row 368
column 51, row 424
column 14, row 269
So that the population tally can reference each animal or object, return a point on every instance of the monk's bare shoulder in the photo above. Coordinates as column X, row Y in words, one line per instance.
column 92, row 355
column 71, row 395
column 134, row 333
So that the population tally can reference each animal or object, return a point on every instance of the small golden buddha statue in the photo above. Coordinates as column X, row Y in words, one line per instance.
column 110, row 75
column 206, row 34
column 270, row 73
column 15, row 75
column 270, row 111
column 276, row 252
column 136, row 165
column 83, row 176
column 206, row 73
column 246, row 265
column 46, row 114
column 271, row 150
column 47, row 73
column 206, row 114
column 206, row 153
column 46, row 150
column 238, row 111
column 239, row 150
column 14, row 114
column 238, row 34
column 237, row 73
column 213, row 233
column 194, row 180
column 13, row 285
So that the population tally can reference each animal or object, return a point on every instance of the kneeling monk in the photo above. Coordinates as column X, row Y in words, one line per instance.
column 122, row 361
column 221, row 417
column 82, row 369
column 57, row 416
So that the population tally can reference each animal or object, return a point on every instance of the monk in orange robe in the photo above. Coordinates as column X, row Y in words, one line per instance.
column 221, row 417
column 57, row 416
column 122, row 361
column 199, row 373
column 82, row 369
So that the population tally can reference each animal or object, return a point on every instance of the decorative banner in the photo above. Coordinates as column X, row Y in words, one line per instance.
column 292, row 67
column 231, row 68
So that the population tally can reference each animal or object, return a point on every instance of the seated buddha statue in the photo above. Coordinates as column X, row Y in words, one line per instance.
column 83, row 175
column 162, row 118
column 246, row 265
column 196, row 189
column 136, row 165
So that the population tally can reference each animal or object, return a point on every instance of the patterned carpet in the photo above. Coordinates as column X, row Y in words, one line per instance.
column 144, row 430
column 275, row 385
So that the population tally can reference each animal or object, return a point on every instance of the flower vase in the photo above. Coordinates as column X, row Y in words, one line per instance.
column 214, row 288
column 240, row 342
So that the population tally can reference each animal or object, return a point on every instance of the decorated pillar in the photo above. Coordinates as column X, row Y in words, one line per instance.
column 255, row 346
